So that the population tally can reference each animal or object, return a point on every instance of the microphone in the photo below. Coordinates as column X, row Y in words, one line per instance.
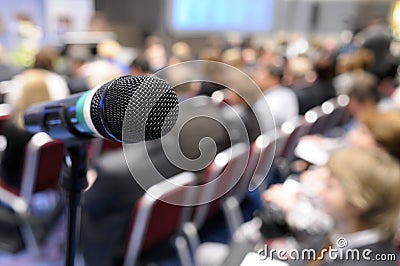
column 127, row 109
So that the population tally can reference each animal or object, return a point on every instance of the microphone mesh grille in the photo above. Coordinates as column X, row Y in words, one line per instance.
column 136, row 108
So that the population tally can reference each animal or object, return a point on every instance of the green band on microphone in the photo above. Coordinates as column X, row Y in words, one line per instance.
column 79, row 112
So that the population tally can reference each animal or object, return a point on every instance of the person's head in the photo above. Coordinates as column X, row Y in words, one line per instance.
column 299, row 70
column 140, row 66
column 99, row 72
column 361, row 190
column 180, row 51
column 241, row 91
column 34, row 90
column 108, row 49
column 380, row 129
column 156, row 55
column 325, row 68
column 233, row 57
column 361, row 59
column 269, row 76
column 46, row 58
column 363, row 92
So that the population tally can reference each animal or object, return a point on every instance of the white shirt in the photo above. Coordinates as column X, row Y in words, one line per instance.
column 283, row 105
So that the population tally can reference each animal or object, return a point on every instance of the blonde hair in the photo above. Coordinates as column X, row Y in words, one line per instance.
column 370, row 179
column 34, row 90
column 108, row 49
column 385, row 128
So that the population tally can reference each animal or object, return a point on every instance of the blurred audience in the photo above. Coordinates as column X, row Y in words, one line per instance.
column 7, row 71
column 363, row 94
column 353, row 195
column 358, row 193
column 108, row 50
column 281, row 100
column 241, row 98
column 180, row 52
column 321, row 89
column 139, row 66
column 348, row 63
column 111, row 199
column 380, row 129
column 299, row 73
column 78, row 56
column 375, row 130
column 99, row 72
column 376, row 37
column 155, row 53
column 44, row 62
column 34, row 90
column 210, row 53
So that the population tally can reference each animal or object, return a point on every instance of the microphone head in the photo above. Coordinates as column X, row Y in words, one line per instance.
column 134, row 108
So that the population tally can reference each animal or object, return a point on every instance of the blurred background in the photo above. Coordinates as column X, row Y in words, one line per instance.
column 333, row 65
column 45, row 22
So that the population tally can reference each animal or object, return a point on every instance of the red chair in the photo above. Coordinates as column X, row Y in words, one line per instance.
column 219, row 179
column 264, row 153
column 155, row 219
column 336, row 108
column 5, row 116
column 262, row 156
column 41, row 171
column 318, row 119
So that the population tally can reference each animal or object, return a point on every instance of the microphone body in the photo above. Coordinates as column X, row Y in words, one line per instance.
column 128, row 109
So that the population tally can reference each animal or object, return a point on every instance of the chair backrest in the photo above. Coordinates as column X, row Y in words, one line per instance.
column 41, row 164
column 265, row 151
column 219, row 179
column 5, row 115
column 155, row 219
column 336, row 109
column 295, row 128
column 318, row 119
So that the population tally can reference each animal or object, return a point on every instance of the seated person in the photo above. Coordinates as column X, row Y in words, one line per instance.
column 359, row 193
column 364, row 96
column 241, row 98
column 374, row 128
column 33, row 90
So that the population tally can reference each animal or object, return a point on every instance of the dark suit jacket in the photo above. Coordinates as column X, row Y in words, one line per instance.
column 314, row 95
column 108, row 205
column 11, row 162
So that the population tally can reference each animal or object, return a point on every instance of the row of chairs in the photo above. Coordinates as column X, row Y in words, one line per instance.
column 43, row 160
column 223, row 185
column 42, row 163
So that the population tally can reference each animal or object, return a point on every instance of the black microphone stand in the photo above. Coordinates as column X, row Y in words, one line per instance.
column 74, row 183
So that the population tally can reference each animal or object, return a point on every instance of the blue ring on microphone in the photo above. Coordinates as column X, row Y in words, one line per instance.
column 103, row 114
